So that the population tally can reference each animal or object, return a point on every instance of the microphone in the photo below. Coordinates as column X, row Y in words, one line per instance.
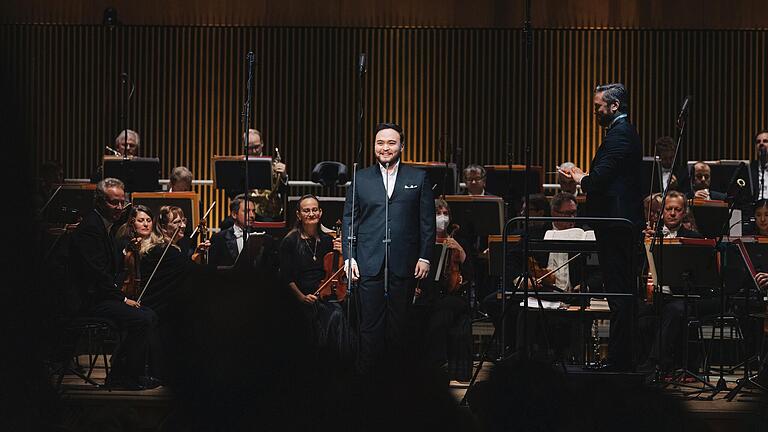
column 736, row 182
column 763, row 156
column 361, row 64
column 250, row 57
column 683, row 113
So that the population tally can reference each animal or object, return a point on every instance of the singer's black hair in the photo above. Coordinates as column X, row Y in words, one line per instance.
column 381, row 126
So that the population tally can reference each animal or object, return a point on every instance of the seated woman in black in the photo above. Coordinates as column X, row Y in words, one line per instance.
column 168, row 230
column 128, row 241
column 301, row 270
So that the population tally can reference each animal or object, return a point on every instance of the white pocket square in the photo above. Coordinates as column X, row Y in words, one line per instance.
column 411, row 186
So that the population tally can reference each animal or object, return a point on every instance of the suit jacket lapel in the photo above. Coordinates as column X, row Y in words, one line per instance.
column 399, row 181
column 229, row 237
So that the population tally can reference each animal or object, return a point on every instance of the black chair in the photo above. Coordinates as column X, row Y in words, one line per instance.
column 329, row 173
column 95, row 334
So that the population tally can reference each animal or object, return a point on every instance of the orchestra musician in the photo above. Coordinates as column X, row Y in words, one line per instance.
column 446, row 303
column 181, row 180
column 301, row 270
column 269, row 203
column 128, row 239
column 168, row 227
column 474, row 178
column 759, row 166
column 673, row 309
column 126, row 144
column 613, row 190
column 407, row 193
column 700, row 186
column 676, row 177
column 94, row 271
column 227, row 244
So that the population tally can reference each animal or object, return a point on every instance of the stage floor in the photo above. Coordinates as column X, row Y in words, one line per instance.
column 148, row 409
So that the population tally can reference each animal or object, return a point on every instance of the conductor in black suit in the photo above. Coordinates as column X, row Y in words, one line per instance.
column 384, row 308
column 613, row 190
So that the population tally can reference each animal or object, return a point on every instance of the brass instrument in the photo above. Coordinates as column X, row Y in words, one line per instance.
column 268, row 202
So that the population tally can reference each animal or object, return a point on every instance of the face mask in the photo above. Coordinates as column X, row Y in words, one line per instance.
column 442, row 222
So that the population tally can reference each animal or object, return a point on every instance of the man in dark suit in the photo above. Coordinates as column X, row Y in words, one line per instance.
column 613, row 190
column 94, row 272
column 700, row 184
column 673, row 309
column 386, row 263
column 227, row 243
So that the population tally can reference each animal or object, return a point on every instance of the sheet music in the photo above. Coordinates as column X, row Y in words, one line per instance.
column 570, row 234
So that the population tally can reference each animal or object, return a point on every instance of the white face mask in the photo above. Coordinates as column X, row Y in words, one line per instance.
column 442, row 222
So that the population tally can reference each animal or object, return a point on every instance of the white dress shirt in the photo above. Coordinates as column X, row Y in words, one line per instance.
column 389, row 178
column 562, row 276
column 238, row 237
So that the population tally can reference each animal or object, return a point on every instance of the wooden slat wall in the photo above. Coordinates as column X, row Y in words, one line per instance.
column 464, row 84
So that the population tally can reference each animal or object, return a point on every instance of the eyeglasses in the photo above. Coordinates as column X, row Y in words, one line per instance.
column 566, row 213
column 116, row 203
column 474, row 180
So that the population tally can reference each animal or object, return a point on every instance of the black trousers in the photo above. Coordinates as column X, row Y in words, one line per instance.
column 616, row 257
column 443, row 315
column 385, row 322
column 138, row 327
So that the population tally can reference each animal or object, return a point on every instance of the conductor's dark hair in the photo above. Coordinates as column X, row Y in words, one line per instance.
column 381, row 126
column 615, row 92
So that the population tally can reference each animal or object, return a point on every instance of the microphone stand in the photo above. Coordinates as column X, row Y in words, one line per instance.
column 658, row 229
column 246, row 121
column 387, row 240
column 351, row 240
column 762, row 171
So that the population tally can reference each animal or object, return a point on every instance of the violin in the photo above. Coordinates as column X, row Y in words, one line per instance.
column 452, row 270
column 334, row 284
column 132, row 280
column 542, row 275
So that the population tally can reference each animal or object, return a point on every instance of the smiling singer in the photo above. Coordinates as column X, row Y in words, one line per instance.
column 388, row 194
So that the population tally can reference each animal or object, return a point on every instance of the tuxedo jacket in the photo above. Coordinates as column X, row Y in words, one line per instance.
column 93, row 266
column 223, row 250
column 411, row 220
column 754, row 172
column 613, row 185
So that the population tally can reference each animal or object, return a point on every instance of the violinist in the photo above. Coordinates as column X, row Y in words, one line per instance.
column 94, row 272
column 446, row 303
column 662, row 352
column 301, row 268
column 128, row 240
column 162, row 243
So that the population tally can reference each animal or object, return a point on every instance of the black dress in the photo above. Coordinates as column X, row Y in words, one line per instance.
column 301, row 262
column 168, row 278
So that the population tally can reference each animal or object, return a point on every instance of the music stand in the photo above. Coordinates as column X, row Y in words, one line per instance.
column 686, row 263
column 137, row 173
column 710, row 217
column 651, row 166
column 333, row 210
column 70, row 203
column 442, row 176
column 229, row 173
column 507, row 181
column 476, row 215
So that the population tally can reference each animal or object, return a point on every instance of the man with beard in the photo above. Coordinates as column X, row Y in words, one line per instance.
column 613, row 190
column 700, row 186
column 389, row 195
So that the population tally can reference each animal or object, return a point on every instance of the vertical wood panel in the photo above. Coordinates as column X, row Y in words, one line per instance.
column 464, row 84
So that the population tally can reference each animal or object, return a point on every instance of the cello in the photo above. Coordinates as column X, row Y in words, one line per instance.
column 334, row 284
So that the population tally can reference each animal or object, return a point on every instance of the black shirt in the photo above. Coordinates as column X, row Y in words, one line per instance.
column 301, row 260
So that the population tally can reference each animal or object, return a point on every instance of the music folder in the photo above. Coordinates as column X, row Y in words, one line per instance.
column 442, row 176
column 684, row 261
column 710, row 216
column 139, row 174
column 476, row 215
